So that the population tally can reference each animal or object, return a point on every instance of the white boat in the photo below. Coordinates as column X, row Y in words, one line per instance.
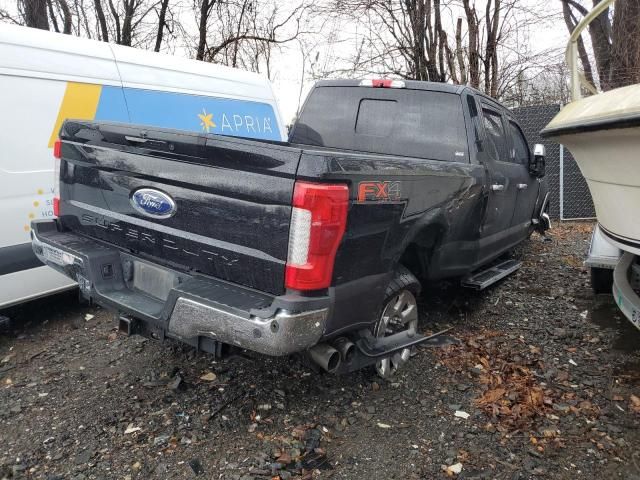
column 602, row 132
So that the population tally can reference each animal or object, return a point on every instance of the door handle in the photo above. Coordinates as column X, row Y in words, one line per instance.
column 522, row 186
column 496, row 187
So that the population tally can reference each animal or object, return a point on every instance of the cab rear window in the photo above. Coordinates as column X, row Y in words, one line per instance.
column 412, row 123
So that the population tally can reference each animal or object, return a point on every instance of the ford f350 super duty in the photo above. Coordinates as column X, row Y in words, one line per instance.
column 317, row 245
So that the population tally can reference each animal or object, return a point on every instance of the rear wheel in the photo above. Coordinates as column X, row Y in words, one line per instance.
column 399, row 312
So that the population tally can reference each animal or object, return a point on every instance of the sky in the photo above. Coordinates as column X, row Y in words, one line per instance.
column 291, row 88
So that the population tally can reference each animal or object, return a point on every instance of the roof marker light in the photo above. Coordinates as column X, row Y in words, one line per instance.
column 382, row 83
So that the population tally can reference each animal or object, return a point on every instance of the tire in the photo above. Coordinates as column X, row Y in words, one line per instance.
column 398, row 312
column 601, row 280
column 402, row 278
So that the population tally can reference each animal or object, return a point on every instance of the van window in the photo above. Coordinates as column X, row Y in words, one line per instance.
column 412, row 123
column 496, row 138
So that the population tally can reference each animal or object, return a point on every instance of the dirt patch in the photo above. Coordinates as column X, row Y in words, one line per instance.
column 544, row 384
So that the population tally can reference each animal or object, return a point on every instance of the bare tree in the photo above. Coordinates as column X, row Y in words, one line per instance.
column 162, row 24
column 459, row 41
column 205, row 7
column 615, row 42
column 102, row 21
column 35, row 13
column 242, row 33
column 60, row 8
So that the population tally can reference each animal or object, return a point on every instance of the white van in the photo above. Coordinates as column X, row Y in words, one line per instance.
column 47, row 77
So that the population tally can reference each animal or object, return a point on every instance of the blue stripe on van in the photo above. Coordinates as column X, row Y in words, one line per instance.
column 193, row 113
column 112, row 106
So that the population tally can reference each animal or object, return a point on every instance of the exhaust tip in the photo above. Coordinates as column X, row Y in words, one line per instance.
column 333, row 362
column 346, row 348
column 326, row 357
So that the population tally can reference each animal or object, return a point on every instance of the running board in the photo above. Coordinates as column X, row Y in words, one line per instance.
column 484, row 278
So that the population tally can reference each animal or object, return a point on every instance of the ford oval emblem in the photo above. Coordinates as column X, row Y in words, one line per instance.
column 153, row 203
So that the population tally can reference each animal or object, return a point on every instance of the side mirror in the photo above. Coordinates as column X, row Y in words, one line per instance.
column 537, row 166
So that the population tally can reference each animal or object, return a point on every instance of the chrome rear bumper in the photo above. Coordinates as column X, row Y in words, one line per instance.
column 181, row 305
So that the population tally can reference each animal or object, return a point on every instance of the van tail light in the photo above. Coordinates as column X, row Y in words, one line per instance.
column 57, row 154
column 318, row 222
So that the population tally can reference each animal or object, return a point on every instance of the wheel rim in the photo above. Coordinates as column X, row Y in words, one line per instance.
column 400, row 313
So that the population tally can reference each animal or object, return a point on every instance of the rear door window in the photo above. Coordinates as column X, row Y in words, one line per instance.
column 496, row 139
column 403, row 122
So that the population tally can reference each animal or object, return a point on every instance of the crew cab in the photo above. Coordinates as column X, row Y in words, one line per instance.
column 317, row 245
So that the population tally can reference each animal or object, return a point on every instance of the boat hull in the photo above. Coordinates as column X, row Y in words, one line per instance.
column 610, row 162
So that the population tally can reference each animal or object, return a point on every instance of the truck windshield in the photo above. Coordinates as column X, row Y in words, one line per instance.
column 412, row 123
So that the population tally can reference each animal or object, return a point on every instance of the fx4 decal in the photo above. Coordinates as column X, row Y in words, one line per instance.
column 378, row 191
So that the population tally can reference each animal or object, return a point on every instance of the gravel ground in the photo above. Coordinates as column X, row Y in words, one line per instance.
column 546, row 374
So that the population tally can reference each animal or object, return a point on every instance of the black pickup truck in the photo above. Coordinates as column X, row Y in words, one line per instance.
column 317, row 245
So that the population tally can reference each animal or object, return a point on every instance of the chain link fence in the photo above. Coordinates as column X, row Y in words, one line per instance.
column 569, row 194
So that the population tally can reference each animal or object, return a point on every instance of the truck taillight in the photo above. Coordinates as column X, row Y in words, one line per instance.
column 318, row 221
column 57, row 154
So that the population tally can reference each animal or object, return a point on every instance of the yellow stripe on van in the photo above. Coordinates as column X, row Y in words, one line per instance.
column 80, row 101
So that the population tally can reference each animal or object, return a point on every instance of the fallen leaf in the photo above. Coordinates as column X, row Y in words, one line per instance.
column 634, row 403
column 8, row 358
column 208, row 377
column 536, row 397
column 491, row 396
column 462, row 414
column 284, row 459
column 131, row 429
column 454, row 469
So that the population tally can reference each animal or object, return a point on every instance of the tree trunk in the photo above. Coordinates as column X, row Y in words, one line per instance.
column 600, row 33
column 127, row 22
column 66, row 14
column 35, row 13
column 161, row 23
column 116, row 19
column 571, row 23
column 102, row 21
column 625, row 58
column 474, row 54
column 205, row 10
column 460, row 53
column 52, row 15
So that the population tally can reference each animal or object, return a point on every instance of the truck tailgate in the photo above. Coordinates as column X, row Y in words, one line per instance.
column 231, row 198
